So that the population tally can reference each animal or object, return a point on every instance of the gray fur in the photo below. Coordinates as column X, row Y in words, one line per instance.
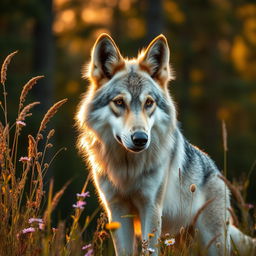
column 155, row 183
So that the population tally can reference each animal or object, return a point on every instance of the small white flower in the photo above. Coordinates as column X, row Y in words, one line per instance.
column 151, row 250
column 169, row 242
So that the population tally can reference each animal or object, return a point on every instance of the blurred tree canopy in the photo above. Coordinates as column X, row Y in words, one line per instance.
column 213, row 53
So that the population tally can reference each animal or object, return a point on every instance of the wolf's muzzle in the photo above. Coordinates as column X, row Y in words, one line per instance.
column 139, row 139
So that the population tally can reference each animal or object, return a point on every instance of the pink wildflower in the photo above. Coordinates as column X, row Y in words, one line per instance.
column 89, row 253
column 31, row 220
column 84, row 194
column 250, row 206
column 79, row 204
column 41, row 226
column 24, row 159
column 20, row 123
column 86, row 247
column 28, row 230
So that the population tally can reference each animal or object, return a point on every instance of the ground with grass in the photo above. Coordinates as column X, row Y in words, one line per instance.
column 26, row 208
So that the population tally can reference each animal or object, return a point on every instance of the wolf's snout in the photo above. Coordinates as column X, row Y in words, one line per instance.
column 139, row 139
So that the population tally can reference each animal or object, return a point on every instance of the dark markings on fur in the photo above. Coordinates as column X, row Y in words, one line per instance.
column 103, row 97
column 134, row 82
column 206, row 176
column 161, row 102
column 195, row 159
column 189, row 156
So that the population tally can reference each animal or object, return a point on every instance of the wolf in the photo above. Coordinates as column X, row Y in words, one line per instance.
column 140, row 162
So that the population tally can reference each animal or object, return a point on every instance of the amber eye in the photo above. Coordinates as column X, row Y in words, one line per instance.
column 119, row 102
column 149, row 103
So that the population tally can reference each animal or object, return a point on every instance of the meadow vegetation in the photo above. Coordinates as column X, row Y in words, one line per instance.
column 27, row 203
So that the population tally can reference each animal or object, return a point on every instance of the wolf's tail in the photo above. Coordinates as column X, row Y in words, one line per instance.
column 245, row 245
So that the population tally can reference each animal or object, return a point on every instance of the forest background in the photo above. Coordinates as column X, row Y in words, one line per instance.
column 213, row 53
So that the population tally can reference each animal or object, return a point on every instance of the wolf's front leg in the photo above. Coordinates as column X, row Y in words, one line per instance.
column 151, row 222
column 123, row 237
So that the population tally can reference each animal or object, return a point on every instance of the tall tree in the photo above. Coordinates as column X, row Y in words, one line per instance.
column 154, row 18
column 44, row 53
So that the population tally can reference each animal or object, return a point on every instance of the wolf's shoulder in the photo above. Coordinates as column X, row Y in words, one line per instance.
column 199, row 163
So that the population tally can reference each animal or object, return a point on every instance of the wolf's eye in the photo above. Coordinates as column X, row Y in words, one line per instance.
column 119, row 102
column 149, row 103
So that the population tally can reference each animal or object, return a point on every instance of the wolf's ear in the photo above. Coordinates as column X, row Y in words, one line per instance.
column 106, row 59
column 155, row 60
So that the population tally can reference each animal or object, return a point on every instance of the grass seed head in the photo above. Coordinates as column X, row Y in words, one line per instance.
column 25, row 111
column 50, row 113
column 192, row 188
column 32, row 147
column 5, row 66
column 27, row 87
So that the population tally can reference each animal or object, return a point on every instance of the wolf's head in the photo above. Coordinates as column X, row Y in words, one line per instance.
column 128, row 102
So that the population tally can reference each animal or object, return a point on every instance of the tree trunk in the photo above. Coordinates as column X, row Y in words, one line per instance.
column 44, row 63
column 154, row 18
column 44, row 55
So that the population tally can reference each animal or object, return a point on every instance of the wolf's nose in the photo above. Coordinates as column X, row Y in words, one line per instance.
column 139, row 139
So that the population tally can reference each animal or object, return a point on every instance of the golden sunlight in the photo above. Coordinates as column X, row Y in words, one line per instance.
column 96, row 15
column 65, row 20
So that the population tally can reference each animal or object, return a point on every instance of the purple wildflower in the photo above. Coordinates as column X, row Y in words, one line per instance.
column 41, row 226
column 86, row 246
column 28, row 230
column 250, row 206
column 84, row 194
column 24, row 159
column 89, row 253
column 38, row 220
column 79, row 204
column 20, row 123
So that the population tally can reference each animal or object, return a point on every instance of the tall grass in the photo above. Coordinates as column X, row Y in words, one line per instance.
column 25, row 224
column 26, row 209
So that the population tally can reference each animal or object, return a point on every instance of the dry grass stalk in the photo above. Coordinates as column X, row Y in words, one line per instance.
column 3, row 146
column 235, row 221
column 3, row 143
column 50, row 134
column 55, row 201
column 27, row 87
column 50, row 113
column 32, row 147
column 211, row 242
column 233, row 190
column 39, row 191
column 6, row 131
column 225, row 136
column 22, row 182
column 5, row 66
column 25, row 111
column 201, row 209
